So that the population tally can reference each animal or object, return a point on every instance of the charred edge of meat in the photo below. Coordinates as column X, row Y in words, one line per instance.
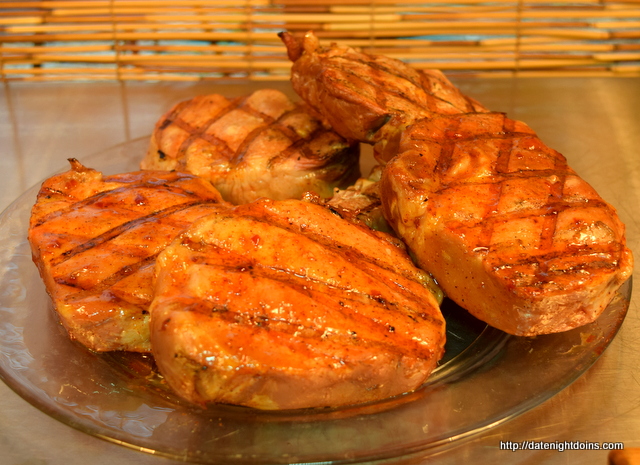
column 292, row 44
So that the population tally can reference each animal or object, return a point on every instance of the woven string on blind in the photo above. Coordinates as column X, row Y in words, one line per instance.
column 192, row 40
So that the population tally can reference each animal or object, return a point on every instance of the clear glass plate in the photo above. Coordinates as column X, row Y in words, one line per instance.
column 485, row 379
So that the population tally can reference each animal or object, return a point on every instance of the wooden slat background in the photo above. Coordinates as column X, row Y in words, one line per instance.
column 211, row 39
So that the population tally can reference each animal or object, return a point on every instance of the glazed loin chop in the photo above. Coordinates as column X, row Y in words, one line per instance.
column 95, row 238
column 371, row 99
column 283, row 304
column 506, row 227
column 258, row 145
column 509, row 231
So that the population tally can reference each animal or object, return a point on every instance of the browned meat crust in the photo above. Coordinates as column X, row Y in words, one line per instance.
column 510, row 232
column 280, row 305
column 95, row 240
column 369, row 98
column 259, row 145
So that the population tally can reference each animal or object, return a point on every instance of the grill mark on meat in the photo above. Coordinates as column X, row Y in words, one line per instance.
column 287, row 313
column 82, row 203
column 357, row 320
column 501, row 166
column 167, row 186
column 506, row 145
column 351, row 255
column 306, row 332
column 235, row 158
column 104, row 304
column 276, row 125
column 550, row 209
column 220, row 146
column 120, row 229
column 290, row 132
column 268, row 122
column 540, row 264
column 471, row 137
column 549, row 212
column 115, row 301
column 577, row 250
column 242, row 168
column 490, row 217
column 239, row 154
column 480, row 137
column 501, row 174
column 541, row 259
column 246, row 107
column 107, row 282
column 382, row 90
column 447, row 146
column 556, row 196
column 382, row 70
column 497, row 179
column 550, row 220
column 380, row 85
column 195, row 133
column 376, row 82
column 168, row 120
column 241, row 263
column 300, row 144
column 319, row 291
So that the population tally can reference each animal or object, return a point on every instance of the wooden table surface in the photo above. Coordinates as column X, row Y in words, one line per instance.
column 594, row 122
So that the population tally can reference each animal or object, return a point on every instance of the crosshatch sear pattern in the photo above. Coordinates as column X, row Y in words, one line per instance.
column 480, row 180
column 95, row 240
column 257, row 145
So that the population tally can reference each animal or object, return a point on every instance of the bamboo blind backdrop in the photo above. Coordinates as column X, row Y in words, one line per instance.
column 193, row 40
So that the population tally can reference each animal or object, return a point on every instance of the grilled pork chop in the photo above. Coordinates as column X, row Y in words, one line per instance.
column 259, row 145
column 506, row 227
column 283, row 304
column 369, row 98
column 509, row 231
column 95, row 238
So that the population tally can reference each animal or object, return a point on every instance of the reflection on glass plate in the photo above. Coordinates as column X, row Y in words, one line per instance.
column 486, row 378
